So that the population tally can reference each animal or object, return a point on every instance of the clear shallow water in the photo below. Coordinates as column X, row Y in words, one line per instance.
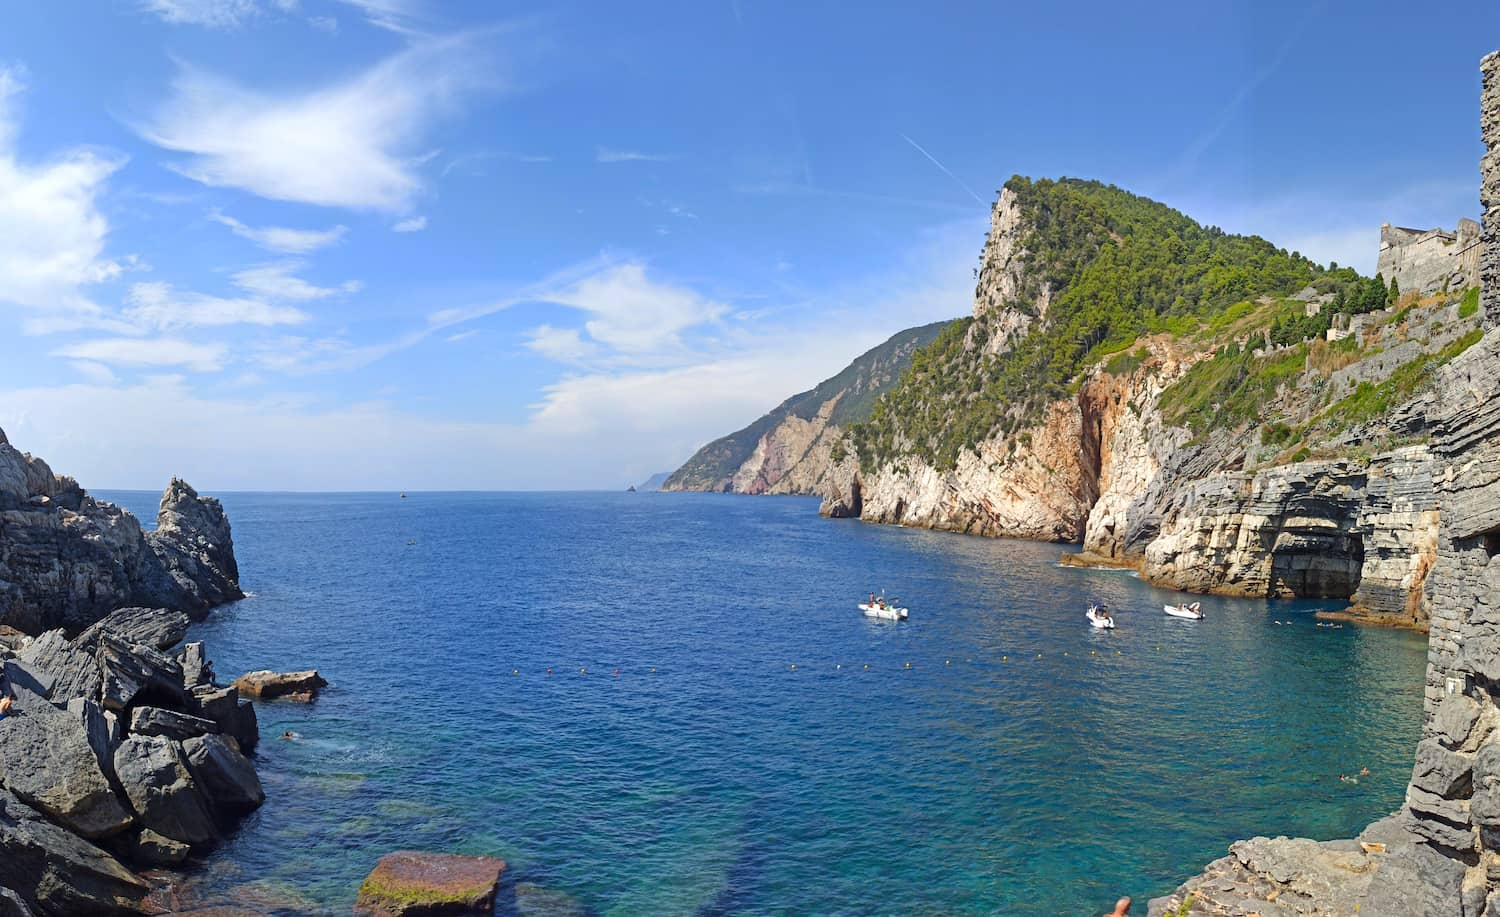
column 984, row 779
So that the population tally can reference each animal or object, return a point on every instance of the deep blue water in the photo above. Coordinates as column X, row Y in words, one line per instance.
column 1022, row 764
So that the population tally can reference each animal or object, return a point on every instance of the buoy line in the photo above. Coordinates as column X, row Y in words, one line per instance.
column 947, row 662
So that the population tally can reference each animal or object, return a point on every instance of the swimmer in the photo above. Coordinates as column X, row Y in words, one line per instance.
column 1122, row 907
column 290, row 736
column 1364, row 772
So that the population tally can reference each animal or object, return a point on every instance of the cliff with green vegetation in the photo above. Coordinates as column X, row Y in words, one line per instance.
column 1220, row 413
column 790, row 449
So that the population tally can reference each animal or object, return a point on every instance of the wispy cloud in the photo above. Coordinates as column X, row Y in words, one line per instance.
column 415, row 224
column 566, row 345
column 52, row 232
column 400, row 16
column 156, row 305
column 148, row 352
column 281, row 239
column 212, row 14
column 277, row 282
column 609, row 154
column 634, row 314
column 354, row 144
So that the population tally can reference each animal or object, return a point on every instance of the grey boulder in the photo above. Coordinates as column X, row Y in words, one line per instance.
column 226, row 776
column 47, row 760
column 56, row 872
column 157, row 721
column 155, row 777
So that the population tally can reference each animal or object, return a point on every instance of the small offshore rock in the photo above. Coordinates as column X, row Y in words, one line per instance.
column 409, row 883
column 293, row 686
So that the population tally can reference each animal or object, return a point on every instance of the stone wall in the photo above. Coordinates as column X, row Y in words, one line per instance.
column 1430, row 260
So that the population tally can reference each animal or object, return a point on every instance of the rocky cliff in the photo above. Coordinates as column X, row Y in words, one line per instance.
column 66, row 559
column 1270, row 446
column 1439, row 856
column 790, row 449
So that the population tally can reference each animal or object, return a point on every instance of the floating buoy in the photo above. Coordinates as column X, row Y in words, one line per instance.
column 947, row 662
column 582, row 671
column 794, row 667
column 1065, row 652
column 515, row 671
column 1092, row 653
column 838, row 667
column 1004, row 658
column 549, row 670
column 867, row 665
column 908, row 665
column 653, row 670
column 617, row 671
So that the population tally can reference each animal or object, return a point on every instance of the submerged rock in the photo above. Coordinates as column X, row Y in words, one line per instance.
column 413, row 884
column 293, row 686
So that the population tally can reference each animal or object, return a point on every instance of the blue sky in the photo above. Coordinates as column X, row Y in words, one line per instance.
column 349, row 244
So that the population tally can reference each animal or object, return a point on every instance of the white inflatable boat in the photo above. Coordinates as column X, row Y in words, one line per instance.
column 1184, row 611
column 883, row 611
column 1099, row 616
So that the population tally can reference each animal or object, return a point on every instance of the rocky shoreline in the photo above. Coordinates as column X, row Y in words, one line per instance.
column 120, row 752
column 1439, row 855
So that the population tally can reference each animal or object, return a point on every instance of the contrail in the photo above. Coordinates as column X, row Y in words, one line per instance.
column 945, row 169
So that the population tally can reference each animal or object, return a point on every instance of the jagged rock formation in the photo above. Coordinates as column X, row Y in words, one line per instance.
column 118, row 754
column 66, row 559
column 1443, row 859
column 791, row 448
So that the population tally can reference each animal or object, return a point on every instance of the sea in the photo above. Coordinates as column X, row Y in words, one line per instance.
column 669, row 704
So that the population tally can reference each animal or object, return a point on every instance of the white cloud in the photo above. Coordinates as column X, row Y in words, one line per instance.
column 96, row 372
column 562, row 344
column 156, row 305
column 461, row 336
column 148, row 352
column 632, row 313
column 415, row 224
column 275, row 281
column 399, row 16
column 353, row 144
column 281, row 239
column 608, row 154
column 213, row 14
column 52, row 233
column 324, row 23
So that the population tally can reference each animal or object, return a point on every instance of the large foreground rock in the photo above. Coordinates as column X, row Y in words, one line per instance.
column 412, row 884
column 294, row 686
column 226, row 776
column 162, row 790
column 55, row 872
column 47, row 760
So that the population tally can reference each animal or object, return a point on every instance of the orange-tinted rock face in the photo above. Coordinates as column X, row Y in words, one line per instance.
column 413, row 884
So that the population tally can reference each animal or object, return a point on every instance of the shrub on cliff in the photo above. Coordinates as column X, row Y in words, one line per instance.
column 1119, row 266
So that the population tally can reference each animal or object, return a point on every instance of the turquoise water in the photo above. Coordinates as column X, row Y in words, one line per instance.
column 1022, row 764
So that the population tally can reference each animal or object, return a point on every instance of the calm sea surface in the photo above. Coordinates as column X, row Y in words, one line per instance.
column 723, row 733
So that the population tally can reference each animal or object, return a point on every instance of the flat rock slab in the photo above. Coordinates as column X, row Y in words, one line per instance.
column 413, row 884
column 294, row 686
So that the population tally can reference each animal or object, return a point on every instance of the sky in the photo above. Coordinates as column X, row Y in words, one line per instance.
column 412, row 244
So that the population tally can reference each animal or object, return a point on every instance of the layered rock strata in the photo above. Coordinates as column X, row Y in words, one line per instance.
column 1444, row 861
column 66, row 559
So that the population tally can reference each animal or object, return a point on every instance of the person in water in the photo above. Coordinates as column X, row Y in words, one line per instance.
column 1122, row 908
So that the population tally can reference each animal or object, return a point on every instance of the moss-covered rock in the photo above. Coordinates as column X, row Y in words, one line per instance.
column 408, row 883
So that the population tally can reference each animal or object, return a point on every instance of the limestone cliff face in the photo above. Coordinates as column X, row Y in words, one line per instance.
column 1440, row 854
column 66, row 559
